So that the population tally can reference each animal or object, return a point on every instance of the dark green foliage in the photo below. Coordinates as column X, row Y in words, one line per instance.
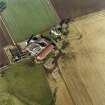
column 2, row 6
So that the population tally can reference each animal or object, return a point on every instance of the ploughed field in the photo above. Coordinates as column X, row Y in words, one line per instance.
column 4, row 41
column 73, row 8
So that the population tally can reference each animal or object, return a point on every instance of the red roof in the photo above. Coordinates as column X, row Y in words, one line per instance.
column 42, row 55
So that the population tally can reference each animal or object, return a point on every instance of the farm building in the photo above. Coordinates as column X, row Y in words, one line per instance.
column 42, row 55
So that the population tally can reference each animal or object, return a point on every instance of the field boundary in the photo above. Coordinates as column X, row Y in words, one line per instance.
column 53, row 8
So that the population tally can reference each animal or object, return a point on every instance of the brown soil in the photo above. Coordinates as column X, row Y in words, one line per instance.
column 4, row 41
column 73, row 8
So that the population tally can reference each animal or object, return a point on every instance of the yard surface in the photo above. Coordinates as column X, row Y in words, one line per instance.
column 24, row 17
column 26, row 84
column 83, row 67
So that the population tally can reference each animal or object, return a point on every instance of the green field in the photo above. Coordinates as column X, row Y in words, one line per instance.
column 24, row 17
column 24, row 84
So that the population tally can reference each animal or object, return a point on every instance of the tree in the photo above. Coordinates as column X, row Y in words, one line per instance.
column 2, row 6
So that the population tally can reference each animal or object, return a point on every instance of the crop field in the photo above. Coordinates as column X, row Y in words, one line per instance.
column 24, row 17
column 26, row 84
column 83, row 66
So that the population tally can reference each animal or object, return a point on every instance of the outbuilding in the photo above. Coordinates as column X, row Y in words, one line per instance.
column 42, row 55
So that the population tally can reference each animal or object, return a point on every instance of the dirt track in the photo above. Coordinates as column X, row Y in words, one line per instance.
column 84, row 72
column 73, row 8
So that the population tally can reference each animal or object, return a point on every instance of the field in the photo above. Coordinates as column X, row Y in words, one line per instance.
column 4, row 41
column 24, row 17
column 83, row 67
column 26, row 83
column 3, row 58
column 74, row 8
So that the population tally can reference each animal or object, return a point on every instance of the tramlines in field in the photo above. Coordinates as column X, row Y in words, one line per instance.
column 24, row 17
